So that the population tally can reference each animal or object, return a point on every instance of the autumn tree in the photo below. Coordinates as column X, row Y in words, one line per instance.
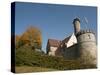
column 31, row 37
column 17, row 39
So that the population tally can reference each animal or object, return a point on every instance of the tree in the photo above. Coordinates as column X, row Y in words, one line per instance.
column 31, row 37
column 17, row 38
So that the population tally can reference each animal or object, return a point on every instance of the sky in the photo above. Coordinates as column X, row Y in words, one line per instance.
column 54, row 20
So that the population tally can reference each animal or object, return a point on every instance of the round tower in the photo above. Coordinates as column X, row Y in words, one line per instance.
column 76, row 23
column 87, row 46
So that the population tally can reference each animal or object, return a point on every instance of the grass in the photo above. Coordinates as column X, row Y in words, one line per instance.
column 25, row 69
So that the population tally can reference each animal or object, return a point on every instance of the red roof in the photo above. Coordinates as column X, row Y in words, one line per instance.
column 53, row 42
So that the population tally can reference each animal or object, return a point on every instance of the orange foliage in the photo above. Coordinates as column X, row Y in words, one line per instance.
column 17, row 38
column 31, row 35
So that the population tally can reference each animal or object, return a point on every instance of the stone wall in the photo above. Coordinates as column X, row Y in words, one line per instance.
column 71, row 52
column 88, row 52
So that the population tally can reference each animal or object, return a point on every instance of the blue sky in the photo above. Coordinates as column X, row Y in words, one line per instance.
column 54, row 21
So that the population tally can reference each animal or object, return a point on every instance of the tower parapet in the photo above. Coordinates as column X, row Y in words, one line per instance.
column 84, row 31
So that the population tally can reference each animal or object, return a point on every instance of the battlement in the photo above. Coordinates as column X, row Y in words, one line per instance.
column 84, row 31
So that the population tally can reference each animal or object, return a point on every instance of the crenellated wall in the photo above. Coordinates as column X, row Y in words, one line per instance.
column 85, row 48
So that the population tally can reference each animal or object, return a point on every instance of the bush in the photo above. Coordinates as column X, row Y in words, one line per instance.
column 27, row 56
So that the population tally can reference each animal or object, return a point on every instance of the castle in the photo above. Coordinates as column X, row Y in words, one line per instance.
column 81, row 44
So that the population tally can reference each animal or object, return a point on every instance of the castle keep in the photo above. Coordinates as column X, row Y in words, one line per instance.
column 80, row 45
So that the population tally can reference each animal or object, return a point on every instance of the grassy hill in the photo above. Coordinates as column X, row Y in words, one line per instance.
column 36, row 61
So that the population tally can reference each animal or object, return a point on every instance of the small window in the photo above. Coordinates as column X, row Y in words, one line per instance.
column 89, row 36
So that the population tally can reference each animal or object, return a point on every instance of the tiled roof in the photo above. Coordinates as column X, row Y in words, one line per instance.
column 66, row 39
column 53, row 42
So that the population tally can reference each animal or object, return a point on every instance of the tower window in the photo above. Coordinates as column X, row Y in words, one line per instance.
column 89, row 36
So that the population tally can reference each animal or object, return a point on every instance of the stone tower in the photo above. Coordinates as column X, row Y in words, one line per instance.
column 86, row 43
column 76, row 23
column 87, row 46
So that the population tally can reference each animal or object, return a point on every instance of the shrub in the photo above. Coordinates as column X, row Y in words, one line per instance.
column 27, row 56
